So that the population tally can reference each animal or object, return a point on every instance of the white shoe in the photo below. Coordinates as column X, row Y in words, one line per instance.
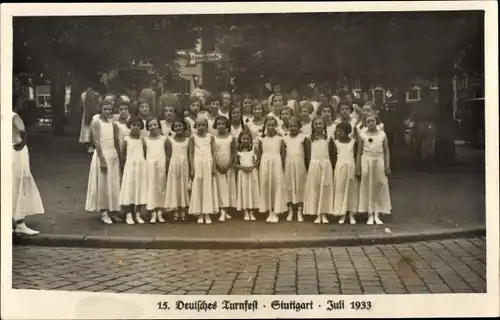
column 153, row 217
column 222, row 217
column 324, row 219
column 377, row 219
column 207, row 219
column 252, row 217
column 318, row 220
column 200, row 219
column 269, row 218
column 351, row 219
column 290, row 215
column 22, row 228
column 300, row 218
column 129, row 219
column 160, row 217
column 370, row 219
column 105, row 218
column 276, row 218
column 342, row 220
column 138, row 218
column 246, row 216
column 228, row 217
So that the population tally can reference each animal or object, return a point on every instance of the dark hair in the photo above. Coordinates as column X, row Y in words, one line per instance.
column 345, row 127
column 218, row 118
column 214, row 97
column 149, row 120
column 243, row 133
column 313, row 136
column 247, row 96
column 266, row 120
column 324, row 106
column 180, row 120
column 135, row 120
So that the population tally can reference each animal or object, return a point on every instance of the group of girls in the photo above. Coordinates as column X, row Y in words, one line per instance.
column 251, row 156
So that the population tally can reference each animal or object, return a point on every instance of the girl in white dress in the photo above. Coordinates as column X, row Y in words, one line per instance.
column 256, row 126
column 306, row 121
column 204, row 198
column 103, row 189
column 236, row 121
column 134, row 190
column 144, row 112
column 277, row 105
column 214, row 103
column 177, row 198
column 247, row 162
column 166, row 123
column 373, row 166
column 156, row 162
column 121, row 123
column 368, row 110
column 227, row 103
column 26, row 200
column 271, row 176
column 325, row 111
column 286, row 115
column 225, row 177
column 297, row 145
column 345, row 180
column 247, row 109
column 345, row 117
column 319, row 192
column 192, row 115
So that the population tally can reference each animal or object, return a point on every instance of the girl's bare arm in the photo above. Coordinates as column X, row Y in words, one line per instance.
column 333, row 154
column 96, row 134
column 233, row 152
column 191, row 155
column 168, row 152
column 387, row 154
column 283, row 153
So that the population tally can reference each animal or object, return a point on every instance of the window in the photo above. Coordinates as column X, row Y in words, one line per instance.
column 413, row 94
column 378, row 96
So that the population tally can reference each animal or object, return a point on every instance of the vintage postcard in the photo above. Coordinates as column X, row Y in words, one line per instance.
column 249, row 160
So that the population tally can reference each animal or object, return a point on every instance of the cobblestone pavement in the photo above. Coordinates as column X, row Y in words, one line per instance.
column 445, row 266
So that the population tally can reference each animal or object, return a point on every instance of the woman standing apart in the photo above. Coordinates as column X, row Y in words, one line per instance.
column 26, row 199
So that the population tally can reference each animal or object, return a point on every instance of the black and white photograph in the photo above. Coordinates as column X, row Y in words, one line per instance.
column 241, row 160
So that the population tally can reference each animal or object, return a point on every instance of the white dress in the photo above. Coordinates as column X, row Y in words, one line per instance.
column 191, row 130
column 271, row 176
column 226, row 183
column 318, row 198
column 330, row 131
column 204, row 198
column 156, row 162
column 134, row 189
column 374, row 196
column 103, row 189
column 256, row 130
column 123, row 131
column 210, row 128
column 166, row 128
column 306, row 128
column 84, row 128
column 144, row 131
column 247, row 186
column 346, row 183
column 295, row 168
column 225, row 114
column 178, row 176
column 283, row 131
column 26, row 198
column 235, row 131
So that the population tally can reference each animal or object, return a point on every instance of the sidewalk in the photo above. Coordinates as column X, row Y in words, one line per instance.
column 446, row 203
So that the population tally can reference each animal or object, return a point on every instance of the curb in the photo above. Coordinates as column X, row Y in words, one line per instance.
column 59, row 240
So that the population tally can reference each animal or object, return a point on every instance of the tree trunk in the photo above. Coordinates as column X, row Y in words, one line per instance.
column 445, row 125
column 208, row 44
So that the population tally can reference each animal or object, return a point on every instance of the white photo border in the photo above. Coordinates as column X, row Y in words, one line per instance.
column 41, row 304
